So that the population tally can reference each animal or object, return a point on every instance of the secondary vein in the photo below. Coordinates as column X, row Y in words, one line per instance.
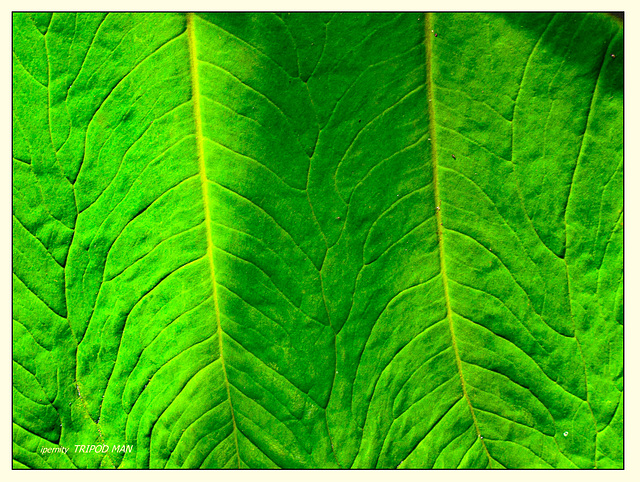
column 429, row 35
column 195, row 89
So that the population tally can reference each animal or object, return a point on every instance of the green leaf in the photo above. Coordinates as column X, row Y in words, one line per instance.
column 317, row 240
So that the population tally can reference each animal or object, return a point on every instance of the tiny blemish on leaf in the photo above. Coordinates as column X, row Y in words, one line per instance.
column 565, row 434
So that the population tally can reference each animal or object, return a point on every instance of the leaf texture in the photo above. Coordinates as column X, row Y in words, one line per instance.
column 327, row 240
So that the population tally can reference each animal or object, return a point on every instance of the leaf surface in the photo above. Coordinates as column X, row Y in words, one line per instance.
column 317, row 240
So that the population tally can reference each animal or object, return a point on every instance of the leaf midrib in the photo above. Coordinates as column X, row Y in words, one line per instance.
column 195, row 89
column 429, row 36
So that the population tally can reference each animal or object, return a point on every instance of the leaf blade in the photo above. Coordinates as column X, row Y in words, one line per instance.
column 377, row 301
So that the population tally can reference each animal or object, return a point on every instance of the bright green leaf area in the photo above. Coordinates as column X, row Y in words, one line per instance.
column 317, row 240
